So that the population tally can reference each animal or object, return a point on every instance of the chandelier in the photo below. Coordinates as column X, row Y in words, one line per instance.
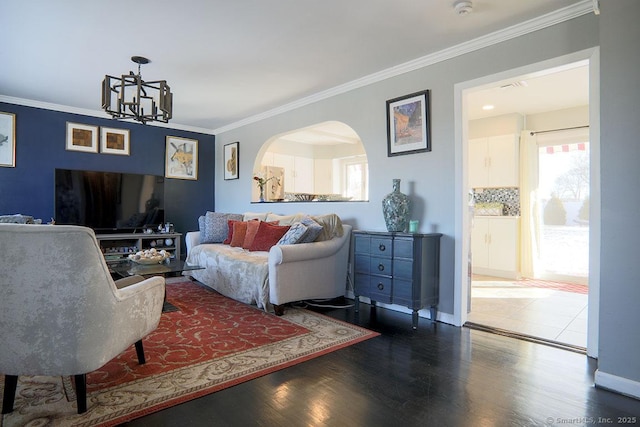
column 130, row 97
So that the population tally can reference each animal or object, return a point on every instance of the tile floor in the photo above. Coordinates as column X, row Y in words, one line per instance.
column 543, row 313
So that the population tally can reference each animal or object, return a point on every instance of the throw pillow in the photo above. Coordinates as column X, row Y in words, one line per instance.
column 262, row 216
column 230, row 223
column 293, row 235
column 285, row 219
column 239, row 231
column 267, row 236
column 201, row 225
column 216, row 227
column 313, row 230
column 332, row 226
column 252, row 230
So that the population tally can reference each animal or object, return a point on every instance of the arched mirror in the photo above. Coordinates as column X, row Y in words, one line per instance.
column 323, row 162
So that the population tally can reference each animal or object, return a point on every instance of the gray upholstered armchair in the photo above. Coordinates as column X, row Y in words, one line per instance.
column 61, row 313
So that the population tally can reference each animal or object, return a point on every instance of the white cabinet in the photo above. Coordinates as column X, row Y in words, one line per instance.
column 287, row 163
column 303, row 170
column 298, row 172
column 495, row 246
column 493, row 162
column 323, row 176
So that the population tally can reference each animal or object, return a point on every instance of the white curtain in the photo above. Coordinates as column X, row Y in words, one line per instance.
column 529, row 206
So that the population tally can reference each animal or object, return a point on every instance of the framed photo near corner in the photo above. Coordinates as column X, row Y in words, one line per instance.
column 181, row 158
column 231, row 159
column 408, row 124
column 8, row 140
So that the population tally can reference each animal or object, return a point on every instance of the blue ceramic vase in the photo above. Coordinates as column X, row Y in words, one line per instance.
column 395, row 207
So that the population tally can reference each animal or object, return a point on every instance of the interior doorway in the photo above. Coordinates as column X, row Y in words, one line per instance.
column 553, row 275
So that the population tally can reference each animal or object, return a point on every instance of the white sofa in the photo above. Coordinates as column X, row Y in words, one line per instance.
column 286, row 273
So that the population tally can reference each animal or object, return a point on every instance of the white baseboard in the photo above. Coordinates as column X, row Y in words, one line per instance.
column 424, row 313
column 446, row 318
column 618, row 384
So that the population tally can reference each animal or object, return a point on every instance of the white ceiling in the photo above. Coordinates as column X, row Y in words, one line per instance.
column 227, row 61
column 551, row 90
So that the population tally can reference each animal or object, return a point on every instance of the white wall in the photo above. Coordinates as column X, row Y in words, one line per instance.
column 495, row 126
column 428, row 178
column 559, row 119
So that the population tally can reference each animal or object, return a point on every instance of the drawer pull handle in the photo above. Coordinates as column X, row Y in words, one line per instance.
column 380, row 286
column 382, row 247
column 380, row 267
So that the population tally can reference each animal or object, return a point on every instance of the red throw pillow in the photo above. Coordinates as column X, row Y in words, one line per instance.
column 239, row 231
column 252, row 230
column 230, row 234
column 267, row 236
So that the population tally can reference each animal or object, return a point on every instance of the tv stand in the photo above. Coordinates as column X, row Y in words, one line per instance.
column 117, row 247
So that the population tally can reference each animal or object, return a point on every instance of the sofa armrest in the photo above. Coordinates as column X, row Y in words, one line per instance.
column 309, row 270
column 280, row 254
column 191, row 239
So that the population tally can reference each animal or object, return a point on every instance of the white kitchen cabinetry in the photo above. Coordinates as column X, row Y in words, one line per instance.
column 323, row 176
column 303, row 169
column 298, row 172
column 495, row 246
column 493, row 162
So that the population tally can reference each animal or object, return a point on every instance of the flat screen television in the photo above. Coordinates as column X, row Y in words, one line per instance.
column 109, row 202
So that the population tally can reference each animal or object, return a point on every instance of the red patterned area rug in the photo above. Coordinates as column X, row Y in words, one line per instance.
column 210, row 343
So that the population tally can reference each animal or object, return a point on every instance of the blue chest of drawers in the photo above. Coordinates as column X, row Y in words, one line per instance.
column 397, row 268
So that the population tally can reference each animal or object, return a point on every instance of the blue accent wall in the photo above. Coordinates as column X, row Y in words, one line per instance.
column 40, row 148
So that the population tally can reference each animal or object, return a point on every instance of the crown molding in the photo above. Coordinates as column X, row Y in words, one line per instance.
column 561, row 15
column 93, row 113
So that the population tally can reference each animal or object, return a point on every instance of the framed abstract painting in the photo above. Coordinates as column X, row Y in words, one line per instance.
column 181, row 158
column 114, row 141
column 231, row 160
column 82, row 137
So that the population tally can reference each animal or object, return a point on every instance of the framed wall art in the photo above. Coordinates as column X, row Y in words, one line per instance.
column 181, row 158
column 231, row 160
column 8, row 140
column 82, row 137
column 408, row 124
column 114, row 141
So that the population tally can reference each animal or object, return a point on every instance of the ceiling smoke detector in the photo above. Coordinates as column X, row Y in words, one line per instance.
column 463, row 7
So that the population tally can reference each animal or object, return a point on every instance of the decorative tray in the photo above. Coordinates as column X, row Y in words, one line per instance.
column 146, row 261
column 150, row 256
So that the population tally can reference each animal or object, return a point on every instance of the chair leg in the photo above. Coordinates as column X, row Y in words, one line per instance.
column 140, row 352
column 81, row 392
column 10, row 385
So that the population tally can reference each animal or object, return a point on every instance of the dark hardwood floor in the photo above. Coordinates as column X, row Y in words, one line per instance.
column 438, row 375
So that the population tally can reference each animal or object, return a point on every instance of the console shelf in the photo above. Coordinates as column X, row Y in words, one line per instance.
column 117, row 247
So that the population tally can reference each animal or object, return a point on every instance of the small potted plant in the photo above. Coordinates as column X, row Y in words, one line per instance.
column 261, row 181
